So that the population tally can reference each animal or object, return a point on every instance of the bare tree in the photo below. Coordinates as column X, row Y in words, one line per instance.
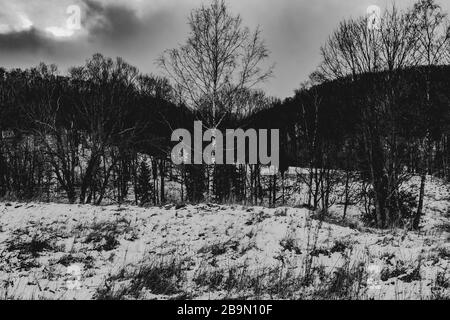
column 398, row 39
column 433, row 36
column 60, row 144
column 103, row 95
column 354, row 49
column 219, row 62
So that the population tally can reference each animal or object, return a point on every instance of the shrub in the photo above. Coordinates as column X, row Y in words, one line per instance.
column 402, row 208
column 159, row 277
column 32, row 247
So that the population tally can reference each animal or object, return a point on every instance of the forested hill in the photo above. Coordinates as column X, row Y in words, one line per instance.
column 112, row 104
column 332, row 115
column 376, row 124
column 395, row 108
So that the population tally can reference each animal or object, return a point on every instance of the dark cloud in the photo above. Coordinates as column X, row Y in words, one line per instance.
column 30, row 47
column 112, row 29
column 140, row 31
column 119, row 26
column 104, row 23
column 30, row 40
column 111, row 22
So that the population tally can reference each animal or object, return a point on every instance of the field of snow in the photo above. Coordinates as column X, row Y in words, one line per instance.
column 207, row 251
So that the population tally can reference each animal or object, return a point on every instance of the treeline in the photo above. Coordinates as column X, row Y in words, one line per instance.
column 83, row 135
column 377, row 105
column 343, row 130
column 102, row 134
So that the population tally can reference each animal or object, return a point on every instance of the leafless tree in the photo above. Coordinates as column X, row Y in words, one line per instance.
column 433, row 36
column 350, row 50
column 355, row 48
column 220, row 59
column 104, row 92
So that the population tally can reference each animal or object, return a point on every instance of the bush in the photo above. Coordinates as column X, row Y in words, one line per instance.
column 32, row 247
column 159, row 277
column 402, row 208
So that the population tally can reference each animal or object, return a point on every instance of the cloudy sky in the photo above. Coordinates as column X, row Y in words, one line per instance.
column 140, row 30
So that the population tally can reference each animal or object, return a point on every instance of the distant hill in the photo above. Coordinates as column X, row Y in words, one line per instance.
column 341, row 105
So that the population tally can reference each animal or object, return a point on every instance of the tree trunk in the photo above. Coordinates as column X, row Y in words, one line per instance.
column 346, row 193
column 423, row 177
column 162, row 171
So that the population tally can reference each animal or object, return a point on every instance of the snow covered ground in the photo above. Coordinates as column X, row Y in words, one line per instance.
column 206, row 251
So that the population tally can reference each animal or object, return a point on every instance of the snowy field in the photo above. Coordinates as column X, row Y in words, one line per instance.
column 60, row 251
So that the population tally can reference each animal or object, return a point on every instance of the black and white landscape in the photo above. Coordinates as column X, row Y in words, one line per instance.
column 96, row 204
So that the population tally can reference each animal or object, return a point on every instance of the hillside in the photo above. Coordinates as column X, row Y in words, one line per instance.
column 217, row 251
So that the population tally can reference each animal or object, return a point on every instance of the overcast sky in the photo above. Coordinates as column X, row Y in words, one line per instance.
column 32, row 31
